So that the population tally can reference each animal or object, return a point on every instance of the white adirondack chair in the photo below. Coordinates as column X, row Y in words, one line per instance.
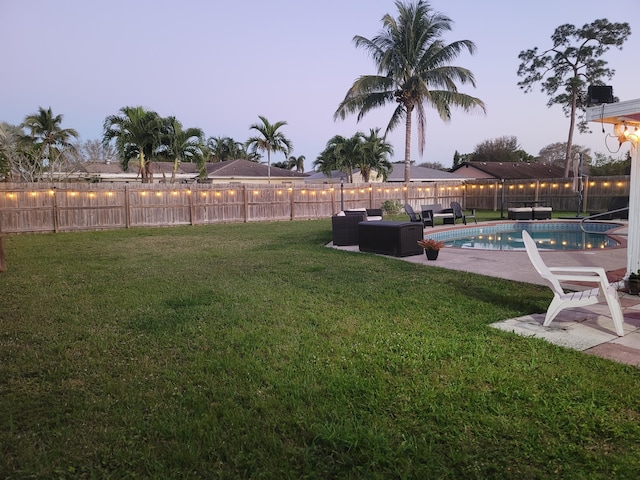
column 562, row 299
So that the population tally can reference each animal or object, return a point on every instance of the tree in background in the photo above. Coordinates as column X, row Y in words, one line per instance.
column 46, row 140
column 433, row 166
column 414, row 70
column 555, row 154
column 226, row 148
column 375, row 153
column 138, row 134
column 503, row 149
column 269, row 140
column 182, row 145
column 459, row 158
column 297, row 163
column 604, row 166
column 9, row 135
column 366, row 153
column 569, row 66
column 340, row 153
column 95, row 151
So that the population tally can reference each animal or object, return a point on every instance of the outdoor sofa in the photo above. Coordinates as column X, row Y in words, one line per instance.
column 344, row 225
column 435, row 210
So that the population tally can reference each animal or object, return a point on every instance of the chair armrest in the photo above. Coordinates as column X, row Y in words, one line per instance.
column 582, row 274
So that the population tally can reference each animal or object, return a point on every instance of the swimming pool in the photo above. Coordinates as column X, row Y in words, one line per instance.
column 548, row 236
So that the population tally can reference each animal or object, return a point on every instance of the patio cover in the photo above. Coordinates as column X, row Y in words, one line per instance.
column 627, row 113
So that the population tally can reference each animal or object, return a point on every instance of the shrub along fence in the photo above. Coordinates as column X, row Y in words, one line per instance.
column 60, row 207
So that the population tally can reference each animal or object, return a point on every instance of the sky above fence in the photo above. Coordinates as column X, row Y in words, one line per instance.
column 218, row 65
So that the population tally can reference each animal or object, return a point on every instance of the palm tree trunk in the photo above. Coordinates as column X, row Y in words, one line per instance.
column 173, row 172
column 572, row 124
column 143, row 167
column 407, row 147
column 268, row 166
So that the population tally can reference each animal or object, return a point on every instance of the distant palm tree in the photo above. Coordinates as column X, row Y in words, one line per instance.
column 46, row 134
column 297, row 163
column 225, row 148
column 414, row 69
column 138, row 133
column 269, row 140
column 341, row 153
column 375, row 152
column 182, row 145
column 283, row 164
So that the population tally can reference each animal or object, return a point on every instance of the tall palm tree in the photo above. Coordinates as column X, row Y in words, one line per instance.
column 50, row 139
column 297, row 163
column 138, row 133
column 414, row 70
column 269, row 140
column 182, row 145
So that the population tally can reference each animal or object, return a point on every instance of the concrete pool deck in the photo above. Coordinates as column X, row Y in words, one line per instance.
column 586, row 329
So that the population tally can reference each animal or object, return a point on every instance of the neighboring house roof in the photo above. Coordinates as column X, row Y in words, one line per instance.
column 508, row 170
column 336, row 177
column 230, row 170
column 418, row 174
column 99, row 167
column 421, row 174
column 245, row 168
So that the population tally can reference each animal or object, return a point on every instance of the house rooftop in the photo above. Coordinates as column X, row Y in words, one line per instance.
column 511, row 170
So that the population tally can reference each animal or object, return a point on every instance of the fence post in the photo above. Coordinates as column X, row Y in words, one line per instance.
column 291, row 201
column 190, row 195
column 585, row 193
column 3, row 263
column 56, row 220
column 127, row 211
column 245, row 201
column 332, row 190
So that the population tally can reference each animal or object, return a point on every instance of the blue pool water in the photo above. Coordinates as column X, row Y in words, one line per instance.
column 548, row 236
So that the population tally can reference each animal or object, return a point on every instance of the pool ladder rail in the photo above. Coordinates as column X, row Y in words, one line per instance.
column 596, row 215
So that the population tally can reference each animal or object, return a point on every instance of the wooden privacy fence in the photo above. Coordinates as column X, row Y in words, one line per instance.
column 559, row 193
column 63, row 207
column 60, row 207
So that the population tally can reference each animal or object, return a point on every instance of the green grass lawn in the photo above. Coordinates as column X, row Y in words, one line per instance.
column 252, row 351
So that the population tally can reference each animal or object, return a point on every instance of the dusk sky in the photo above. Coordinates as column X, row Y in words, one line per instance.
column 218, row 64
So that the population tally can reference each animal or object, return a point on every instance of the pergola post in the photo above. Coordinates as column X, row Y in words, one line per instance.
column 633, row 237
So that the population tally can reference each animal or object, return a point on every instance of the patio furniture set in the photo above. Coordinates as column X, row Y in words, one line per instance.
column 530, row 211
column 366, row 228
column 449, row 216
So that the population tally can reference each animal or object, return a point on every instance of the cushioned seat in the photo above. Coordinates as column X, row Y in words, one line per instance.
column 542, row 213
column 520, row 213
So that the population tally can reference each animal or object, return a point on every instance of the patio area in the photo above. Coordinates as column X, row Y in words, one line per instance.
column 589, row 330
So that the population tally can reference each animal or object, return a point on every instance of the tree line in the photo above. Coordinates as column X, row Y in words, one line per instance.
column 414, row 71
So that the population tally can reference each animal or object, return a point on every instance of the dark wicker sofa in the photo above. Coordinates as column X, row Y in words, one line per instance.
column 345, row 227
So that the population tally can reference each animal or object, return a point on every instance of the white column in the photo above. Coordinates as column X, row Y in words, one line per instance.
column 633, row 239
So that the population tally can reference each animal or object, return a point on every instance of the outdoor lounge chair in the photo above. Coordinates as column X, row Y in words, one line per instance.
column 413, row 216
column 458, row 212
column 562, row 299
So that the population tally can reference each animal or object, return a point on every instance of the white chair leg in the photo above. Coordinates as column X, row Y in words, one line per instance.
column 611, row 295
column 555, row 306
